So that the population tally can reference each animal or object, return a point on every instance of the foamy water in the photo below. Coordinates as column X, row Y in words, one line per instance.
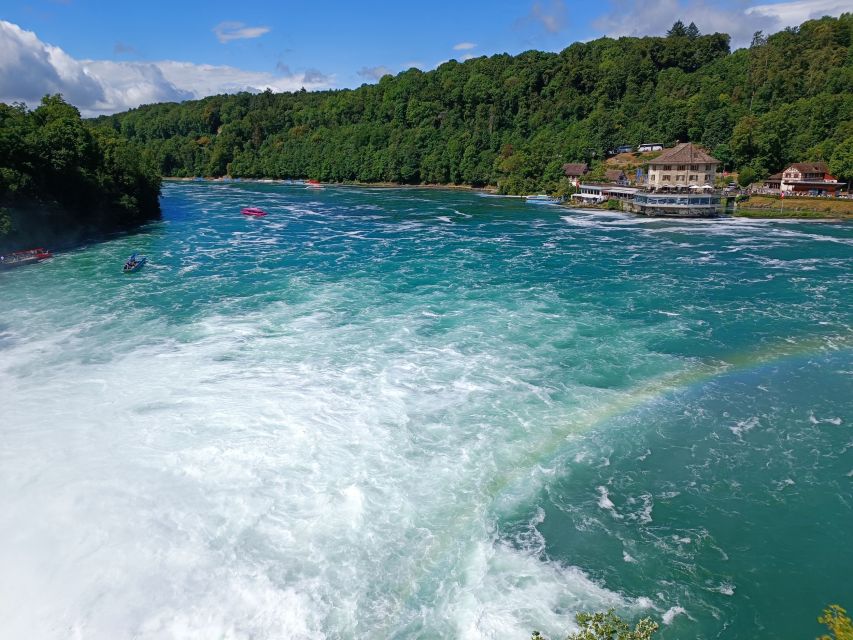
column 410, row 414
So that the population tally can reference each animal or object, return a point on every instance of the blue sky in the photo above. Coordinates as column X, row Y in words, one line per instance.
column 106, row 56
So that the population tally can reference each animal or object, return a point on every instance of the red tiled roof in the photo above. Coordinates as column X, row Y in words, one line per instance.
column 614, row 175
column 684, row 153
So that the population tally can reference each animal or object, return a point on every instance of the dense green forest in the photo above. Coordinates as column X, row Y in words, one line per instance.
column 512, row 121
column 61, row 178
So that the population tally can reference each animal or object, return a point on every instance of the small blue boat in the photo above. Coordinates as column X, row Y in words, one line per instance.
column 134, row 263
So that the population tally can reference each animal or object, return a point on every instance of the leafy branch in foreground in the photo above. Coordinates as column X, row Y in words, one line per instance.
column 609, row 626
column 839, row 623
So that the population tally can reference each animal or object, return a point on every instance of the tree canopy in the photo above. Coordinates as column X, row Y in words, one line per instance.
column 513, row 121
column 59, row 175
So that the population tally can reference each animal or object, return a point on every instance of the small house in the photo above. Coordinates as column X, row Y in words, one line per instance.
column 809, row 178
column 616, row 176
column 650, row 146
column 574, row 170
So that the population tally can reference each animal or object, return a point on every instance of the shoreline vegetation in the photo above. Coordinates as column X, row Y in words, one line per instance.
column 510, row 123
column 63, row 180
column 766, row 206
column 796, row 211
column 501, row 124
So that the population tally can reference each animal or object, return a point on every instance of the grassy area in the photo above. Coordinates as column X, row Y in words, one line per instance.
column 774, row 207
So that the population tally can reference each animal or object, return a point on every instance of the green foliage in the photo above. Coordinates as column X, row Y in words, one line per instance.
column 614, row 205
column 608, row 626
column 841, row 164
column 746, row 176
column 5, row 222
column 677, row 30
column 512, row 121
column 58, row 175
column 839, row 623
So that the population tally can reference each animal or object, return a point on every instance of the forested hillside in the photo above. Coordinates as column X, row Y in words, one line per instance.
column 61, row 178
column 512, row 121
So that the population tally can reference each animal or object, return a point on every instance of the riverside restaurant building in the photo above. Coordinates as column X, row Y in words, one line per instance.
column 681, row 184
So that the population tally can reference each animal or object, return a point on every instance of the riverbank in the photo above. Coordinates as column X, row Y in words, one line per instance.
column 809, row 208
column 380, row 185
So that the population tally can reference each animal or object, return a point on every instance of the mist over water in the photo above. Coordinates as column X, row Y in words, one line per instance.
column 416, row 414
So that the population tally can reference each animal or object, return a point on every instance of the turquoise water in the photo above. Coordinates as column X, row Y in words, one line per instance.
column 426, row 414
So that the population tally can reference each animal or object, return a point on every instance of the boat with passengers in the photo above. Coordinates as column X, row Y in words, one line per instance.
column 20, row 258
column 134, row 263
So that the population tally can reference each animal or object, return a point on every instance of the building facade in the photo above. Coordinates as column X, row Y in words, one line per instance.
column 679, row 205
column 807, row 178
column 685, row 166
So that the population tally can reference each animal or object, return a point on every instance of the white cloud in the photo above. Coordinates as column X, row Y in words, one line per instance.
column 464, row 46
column 551, row 16
column 640, row 17
column 374, row 73
column 793, row 13
column 467, row 56
column 30, row 68
column 228, row 31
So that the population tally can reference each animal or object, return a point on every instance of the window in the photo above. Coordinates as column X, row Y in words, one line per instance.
column 667, row 178
column 679, row 178
column 667, row 167
column 692, row 177
column 682, row 167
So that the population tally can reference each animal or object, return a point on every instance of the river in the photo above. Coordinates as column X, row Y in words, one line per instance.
column 412, row 413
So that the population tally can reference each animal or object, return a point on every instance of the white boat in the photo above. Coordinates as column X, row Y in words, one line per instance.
column 541, row 199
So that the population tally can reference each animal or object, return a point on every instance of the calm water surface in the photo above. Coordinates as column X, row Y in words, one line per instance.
column 426, row 414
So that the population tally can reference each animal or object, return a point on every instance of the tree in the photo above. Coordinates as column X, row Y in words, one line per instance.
column 841, row 164
column 677, row 30
column 608, row 626
column 758, row 40
column 60, row 176
column 5, row 222
column 746, row 176
column 839, row 623
column 508, row 121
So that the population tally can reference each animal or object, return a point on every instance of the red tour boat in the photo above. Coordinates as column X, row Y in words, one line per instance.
column 18, row 258
column 255, row 212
